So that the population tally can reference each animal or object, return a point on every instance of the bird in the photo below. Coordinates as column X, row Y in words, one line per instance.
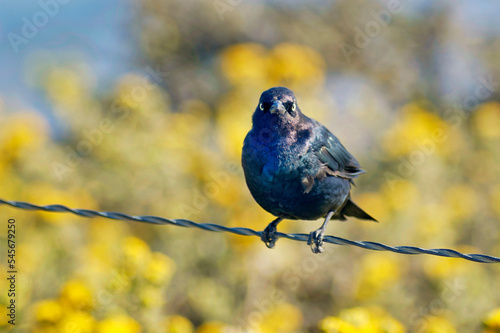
column 296, row 169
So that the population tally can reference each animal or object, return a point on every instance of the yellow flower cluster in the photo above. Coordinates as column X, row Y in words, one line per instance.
column 492, row 321
column 81, row 302
column 287, row 64
column 378, row 272
column 70, row 311
column 361, row 320
column 418, row 129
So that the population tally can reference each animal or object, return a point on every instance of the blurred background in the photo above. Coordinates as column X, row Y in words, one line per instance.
column 141, row 107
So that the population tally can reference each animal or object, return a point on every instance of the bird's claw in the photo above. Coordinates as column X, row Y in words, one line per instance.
column 269, row 236
column 316, row 240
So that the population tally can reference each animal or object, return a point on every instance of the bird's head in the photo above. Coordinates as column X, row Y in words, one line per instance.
column 277, row 106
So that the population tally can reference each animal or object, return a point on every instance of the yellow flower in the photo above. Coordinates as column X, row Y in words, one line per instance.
column 418, row 132
column 46, row 329
column 492, row 321
column 160, row 269
column 401, row 195
column 212, row 327
column 178, row 324
column 21, row 134
column 360, row 317
column 232, row 126
column 294, row 65
column 229, row 192
column 486, row 120
column 48, row 311
column 374, row 203
column 77, row 295
column 4, row 318
column 77, row 322
column 151, row 297
column 244, row 63
column 336, row 325
column 434, row 324
column 136, row 253
column 119, row 282
column 297, row 66
column 118, row 324
column 387, row 324
column 379, row 271
column 361, row 320
column 283, row 317
column 384, row 323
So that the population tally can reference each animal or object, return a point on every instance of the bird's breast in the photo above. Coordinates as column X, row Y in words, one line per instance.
column 276, row 160
column 275, row 175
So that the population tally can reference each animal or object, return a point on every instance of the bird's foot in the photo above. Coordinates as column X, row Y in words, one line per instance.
column 316, row 240
column 269, row 235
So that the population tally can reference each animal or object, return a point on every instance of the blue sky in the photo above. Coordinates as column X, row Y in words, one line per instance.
column 97, row 32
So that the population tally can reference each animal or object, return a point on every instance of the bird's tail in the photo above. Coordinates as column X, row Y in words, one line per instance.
column 351, row 209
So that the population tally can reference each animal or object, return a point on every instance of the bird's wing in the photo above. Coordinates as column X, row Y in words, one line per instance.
column 337, row 159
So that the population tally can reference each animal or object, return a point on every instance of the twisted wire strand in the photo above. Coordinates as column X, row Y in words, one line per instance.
column 249, row 232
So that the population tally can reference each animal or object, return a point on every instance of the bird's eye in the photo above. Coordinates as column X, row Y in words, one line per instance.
column 293, row 106
column 261, row 106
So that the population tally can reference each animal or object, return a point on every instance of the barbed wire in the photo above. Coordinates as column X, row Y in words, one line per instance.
column 250, row 232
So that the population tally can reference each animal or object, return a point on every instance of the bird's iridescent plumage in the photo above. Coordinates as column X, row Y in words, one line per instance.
column 295, row 167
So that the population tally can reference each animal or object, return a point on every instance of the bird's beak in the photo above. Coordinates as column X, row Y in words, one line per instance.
column 277, row 107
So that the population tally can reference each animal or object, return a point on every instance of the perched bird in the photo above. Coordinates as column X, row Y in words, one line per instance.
column 296, row 168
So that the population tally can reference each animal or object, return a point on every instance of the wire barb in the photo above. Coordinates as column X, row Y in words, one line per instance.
column 249, row 232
